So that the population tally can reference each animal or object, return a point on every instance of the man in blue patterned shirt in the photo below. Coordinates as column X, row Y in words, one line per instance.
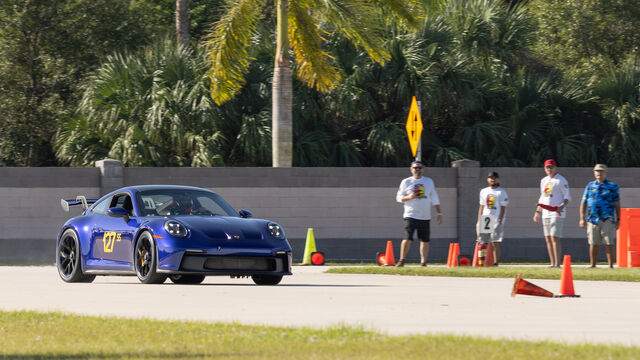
column 600, row 207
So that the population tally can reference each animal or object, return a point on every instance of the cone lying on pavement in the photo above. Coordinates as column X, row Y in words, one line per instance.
column 524, row 287
column 566, row 279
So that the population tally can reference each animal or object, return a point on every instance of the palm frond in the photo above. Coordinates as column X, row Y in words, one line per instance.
column 229, row 45
column 313, row 63
column 360, row 22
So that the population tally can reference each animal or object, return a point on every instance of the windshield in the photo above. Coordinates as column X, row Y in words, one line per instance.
column 163, row 202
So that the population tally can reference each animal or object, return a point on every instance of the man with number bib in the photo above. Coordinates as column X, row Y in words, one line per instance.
column 491, row 213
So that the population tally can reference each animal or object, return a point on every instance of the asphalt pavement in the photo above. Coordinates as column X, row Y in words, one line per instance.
column 606, row 312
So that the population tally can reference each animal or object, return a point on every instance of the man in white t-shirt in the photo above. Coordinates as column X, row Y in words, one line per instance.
column 417, row 193
column 493, row 202
column 554, row 197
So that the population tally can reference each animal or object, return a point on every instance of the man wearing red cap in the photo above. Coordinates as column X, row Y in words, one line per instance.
column 554, row 197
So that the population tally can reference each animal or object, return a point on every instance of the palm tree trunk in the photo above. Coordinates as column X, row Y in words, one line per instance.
column 282, row 96
column 182, row 22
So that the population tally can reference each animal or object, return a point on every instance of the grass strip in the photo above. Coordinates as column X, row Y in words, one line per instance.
column 528, row 272
column 34, row 335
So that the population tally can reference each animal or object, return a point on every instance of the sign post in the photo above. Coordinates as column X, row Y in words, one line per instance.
column 414, row 129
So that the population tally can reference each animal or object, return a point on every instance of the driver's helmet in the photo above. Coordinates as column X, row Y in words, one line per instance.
column 183, row 201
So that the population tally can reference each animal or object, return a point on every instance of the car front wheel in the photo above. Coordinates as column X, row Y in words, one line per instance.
column 146, row 260
column 266, row 279
column 68, row 258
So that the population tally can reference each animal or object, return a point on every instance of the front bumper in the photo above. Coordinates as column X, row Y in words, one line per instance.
column 207, row 264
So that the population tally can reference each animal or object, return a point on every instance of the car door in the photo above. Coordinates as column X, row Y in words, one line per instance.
column 112, row 237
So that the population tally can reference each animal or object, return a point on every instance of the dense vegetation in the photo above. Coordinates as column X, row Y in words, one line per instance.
column 505, row 83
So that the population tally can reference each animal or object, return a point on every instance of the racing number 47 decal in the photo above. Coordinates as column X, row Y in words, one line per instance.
column 109, row 240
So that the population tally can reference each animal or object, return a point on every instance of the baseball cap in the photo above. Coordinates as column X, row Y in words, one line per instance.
column 493, row 174
column 602, row 167
column 550, row 162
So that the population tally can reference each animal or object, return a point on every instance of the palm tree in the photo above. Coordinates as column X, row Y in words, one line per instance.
column 182, row 22
column 300, row 25
column 147, row 109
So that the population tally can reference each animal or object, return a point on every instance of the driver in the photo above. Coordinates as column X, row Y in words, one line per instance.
column 182, row 205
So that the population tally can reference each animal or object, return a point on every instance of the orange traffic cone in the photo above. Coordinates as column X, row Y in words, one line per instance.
column 474, row 263
column 389, row 259
column 566, row 279
column 450, row 253
column 489, row 258
column 524, row 287
column 456, row 253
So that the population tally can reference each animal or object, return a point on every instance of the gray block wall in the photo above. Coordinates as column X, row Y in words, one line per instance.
column 352, row 211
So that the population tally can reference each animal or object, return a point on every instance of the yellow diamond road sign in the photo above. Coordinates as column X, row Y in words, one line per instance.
column 414, row 126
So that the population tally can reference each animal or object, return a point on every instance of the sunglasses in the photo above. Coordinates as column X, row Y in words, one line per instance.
column 417, row 167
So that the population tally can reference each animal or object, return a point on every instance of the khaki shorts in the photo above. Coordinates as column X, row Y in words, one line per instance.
column 552, row 226
column 603, row 233
column 495, row 236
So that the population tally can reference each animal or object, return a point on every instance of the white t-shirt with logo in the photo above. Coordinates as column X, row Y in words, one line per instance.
column 493, row 199
column 553, row 191
column 420, row 207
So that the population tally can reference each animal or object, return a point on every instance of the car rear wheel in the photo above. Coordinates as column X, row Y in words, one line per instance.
column 146, row 260
column 68, row 259
column 186, row 279
column 266, row 279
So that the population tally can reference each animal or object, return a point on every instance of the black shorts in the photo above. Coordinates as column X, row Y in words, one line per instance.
column 421, row 226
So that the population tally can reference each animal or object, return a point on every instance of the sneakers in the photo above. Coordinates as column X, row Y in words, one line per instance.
column 423, row 264
column 400, row 263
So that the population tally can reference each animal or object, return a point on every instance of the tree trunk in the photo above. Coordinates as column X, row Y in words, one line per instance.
column 182, row 22
column 282, row 96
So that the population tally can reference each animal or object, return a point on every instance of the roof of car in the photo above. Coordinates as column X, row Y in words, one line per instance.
column 157, row 187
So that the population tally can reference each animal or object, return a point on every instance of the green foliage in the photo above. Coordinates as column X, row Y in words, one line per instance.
column 146, row 110
column 46, row 49
column 508, row 83
column 583, row 35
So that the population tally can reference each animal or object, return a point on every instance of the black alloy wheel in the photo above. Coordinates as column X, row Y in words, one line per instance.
column 146, row 261
column 68, row 259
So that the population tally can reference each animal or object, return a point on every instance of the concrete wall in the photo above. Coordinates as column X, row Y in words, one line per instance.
column 352, row 210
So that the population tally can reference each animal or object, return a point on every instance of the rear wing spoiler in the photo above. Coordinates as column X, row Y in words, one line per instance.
column 80, row 200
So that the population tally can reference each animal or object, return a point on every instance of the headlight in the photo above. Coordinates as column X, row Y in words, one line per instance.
column 176, row 229
column 275, row 230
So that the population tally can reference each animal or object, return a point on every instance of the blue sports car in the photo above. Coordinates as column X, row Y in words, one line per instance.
column 159, row 231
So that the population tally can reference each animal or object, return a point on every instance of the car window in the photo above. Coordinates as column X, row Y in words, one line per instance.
column 101, row 207
column 165, row 202
column 123, row 201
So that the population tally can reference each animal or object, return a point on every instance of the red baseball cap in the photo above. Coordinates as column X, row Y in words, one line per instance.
column 550, row 162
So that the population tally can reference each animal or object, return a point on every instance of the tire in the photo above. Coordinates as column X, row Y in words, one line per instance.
column 146, row 260
column 266, row 279
column 186, row 279
column 68, row 259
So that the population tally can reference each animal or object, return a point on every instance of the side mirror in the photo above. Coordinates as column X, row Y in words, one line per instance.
column 245, row 213
column 119, row 212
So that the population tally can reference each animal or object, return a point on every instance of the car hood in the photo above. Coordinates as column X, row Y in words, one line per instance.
column 226, row 227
